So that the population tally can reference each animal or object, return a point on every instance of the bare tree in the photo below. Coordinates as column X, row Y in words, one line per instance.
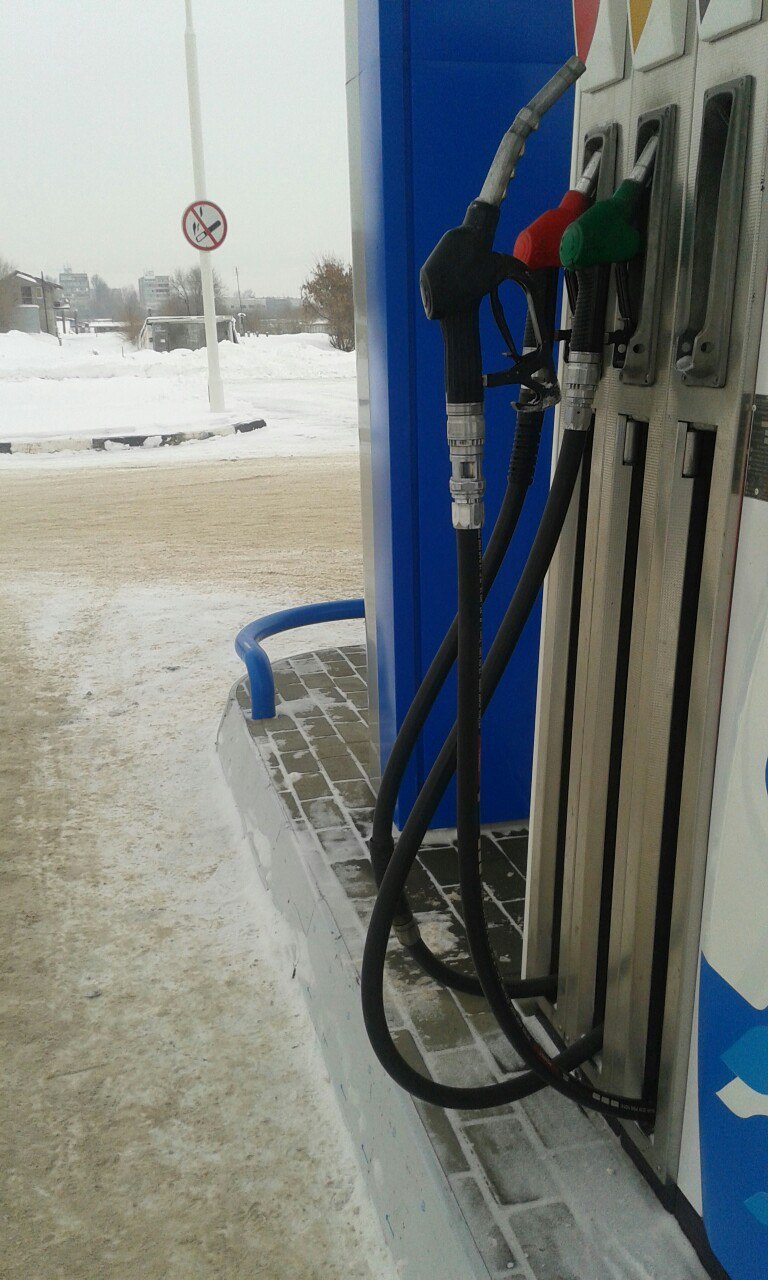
column 131, row 315
column 187, row 292
column 328, row 293
column 102, row 298
column 255, row 320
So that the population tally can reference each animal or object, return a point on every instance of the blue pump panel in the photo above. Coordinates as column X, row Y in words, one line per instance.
column 733, row 1118
column 437, row 86
column 733, row 981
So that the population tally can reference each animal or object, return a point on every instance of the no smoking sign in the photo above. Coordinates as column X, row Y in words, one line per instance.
column 204, row 225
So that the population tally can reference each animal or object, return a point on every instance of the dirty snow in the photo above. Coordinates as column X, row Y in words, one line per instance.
column 166, row 1110
column 97, row 384
column 180, row 1120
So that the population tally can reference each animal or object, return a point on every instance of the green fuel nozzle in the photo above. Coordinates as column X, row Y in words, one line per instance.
column 607, row 233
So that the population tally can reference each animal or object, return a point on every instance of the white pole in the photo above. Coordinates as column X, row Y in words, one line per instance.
column 215, row 387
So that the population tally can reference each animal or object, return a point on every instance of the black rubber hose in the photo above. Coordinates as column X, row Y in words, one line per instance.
column 381, row 844
column 469, row 662
column 396, row 874
column 468, row 836
column 548, row 1070
column 522, row 467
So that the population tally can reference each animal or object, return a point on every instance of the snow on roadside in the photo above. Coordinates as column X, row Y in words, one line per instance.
column 95, row 384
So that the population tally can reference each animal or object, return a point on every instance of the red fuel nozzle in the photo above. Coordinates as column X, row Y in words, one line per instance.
column 538, row 246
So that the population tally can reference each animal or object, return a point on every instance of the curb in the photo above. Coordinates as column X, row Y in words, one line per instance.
column 421, row 1220
column 156, row 440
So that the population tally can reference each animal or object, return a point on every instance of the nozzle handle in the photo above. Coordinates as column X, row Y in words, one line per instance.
column 606, row 233
column 538, row 246
column 460, row 271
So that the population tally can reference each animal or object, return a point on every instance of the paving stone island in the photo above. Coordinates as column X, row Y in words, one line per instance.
column 544, row 1188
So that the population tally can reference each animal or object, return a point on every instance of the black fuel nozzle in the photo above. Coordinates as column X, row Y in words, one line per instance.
column 461, row 270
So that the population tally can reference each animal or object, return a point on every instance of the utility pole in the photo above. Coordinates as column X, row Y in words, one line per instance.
column 215, row 387
column 240, row 302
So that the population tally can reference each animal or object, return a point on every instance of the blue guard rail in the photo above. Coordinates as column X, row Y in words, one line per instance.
column 259, row 668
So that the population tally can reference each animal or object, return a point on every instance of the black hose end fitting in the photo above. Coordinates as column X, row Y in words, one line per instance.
column 407, row 932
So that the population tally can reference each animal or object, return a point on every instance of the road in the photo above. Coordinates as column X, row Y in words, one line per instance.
column 291, row 522
column 165, row 1111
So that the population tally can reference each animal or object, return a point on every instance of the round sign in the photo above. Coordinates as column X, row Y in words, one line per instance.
column 204, row 225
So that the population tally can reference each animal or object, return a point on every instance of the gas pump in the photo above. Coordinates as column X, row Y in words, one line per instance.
column 645, row 936
column 626, row 742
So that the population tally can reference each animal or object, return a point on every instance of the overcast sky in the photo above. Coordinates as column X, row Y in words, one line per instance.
column 95, row 162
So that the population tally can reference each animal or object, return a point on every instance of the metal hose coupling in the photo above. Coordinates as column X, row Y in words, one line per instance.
column 407, row 932
column 581, row 380
column 466, row 438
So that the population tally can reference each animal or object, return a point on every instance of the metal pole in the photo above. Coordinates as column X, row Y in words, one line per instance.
column 240, row 301
column 45, row 300
column 215, row 387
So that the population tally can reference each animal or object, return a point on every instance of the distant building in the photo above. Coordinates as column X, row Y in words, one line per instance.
column 154, row 291
column 281, row 308
column 270, row 308
column 77, row 291
column 272, row 315
column 168, row 333
column 106, row 326
column 29, row 303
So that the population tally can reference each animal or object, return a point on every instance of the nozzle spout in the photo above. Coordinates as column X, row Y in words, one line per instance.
column 645, row 161
column 525, row 123
column 587, row 183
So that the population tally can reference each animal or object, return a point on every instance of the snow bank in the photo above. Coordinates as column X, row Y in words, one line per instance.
column 97, row 384
column 109, row 355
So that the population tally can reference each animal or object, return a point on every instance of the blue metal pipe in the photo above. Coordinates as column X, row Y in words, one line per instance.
column 259, row 668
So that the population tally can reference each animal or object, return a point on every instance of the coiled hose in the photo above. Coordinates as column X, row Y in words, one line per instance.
column 405, row 853
column 525, row 450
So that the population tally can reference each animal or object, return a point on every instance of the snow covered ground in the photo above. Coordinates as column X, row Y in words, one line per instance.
column 168, row 1111
column 164, row 1106
column 97, row 384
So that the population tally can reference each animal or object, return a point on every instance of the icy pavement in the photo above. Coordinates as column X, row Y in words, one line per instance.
column 97, row 384
column 168, row 1113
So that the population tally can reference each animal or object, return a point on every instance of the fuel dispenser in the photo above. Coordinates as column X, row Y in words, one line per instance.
column 626, row 745
column 646, row 943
